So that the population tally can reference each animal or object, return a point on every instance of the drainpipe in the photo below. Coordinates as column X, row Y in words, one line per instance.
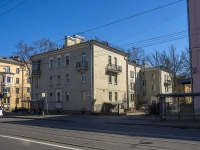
column 127, row 83
column 92, row 77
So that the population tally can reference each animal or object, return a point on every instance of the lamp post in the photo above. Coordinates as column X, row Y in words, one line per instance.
column 145, row 101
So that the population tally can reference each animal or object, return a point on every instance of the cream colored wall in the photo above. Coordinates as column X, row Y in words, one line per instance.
column 74, row 87
column 23, row 94
column 101, row 85
column 135, row 80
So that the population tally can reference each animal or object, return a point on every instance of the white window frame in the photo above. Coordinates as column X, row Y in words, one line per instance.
column 17, row 70
column 131, row 74
column 51, row 63
column 83, row 76
column 110, row 96
column 59, row 61
column 67, row 59
column 59, row 79
column 67, row 78
column 110, row 79
column 116, row 96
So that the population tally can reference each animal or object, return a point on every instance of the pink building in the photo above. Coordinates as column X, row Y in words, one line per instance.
column 194, row 36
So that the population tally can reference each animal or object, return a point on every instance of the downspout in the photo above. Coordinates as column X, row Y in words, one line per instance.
column 191, row 75
column 92, row 76
column 127, row 83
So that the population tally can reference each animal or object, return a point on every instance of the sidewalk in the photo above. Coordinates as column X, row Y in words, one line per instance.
column 131, row 119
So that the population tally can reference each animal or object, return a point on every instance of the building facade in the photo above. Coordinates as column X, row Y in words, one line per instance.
column 82, row 75
column 194, row 36
column 155, row 80
column 14, row 81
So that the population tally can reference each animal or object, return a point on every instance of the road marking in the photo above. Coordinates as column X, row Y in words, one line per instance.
column 32, row 141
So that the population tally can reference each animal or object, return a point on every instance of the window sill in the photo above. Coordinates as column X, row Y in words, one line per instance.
column 109, row 82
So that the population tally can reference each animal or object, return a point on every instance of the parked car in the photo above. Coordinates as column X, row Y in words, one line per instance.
column 1, row 112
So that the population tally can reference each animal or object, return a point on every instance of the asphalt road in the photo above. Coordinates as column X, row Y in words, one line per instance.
column 18, row 133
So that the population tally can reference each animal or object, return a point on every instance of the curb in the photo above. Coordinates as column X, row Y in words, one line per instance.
column 120, row 123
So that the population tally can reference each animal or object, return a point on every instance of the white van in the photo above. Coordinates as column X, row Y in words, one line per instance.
column 1, row 112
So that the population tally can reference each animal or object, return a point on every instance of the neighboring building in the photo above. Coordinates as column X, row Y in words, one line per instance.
column 194, row 36
column 134, row 83
column 82, row 75
column 155, row 81
column 14, row 82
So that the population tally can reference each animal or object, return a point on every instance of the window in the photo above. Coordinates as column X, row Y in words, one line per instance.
column 17, row 80
column 143, row 82
column 132, row 85
column 153, row 87
column 109, row 60
column 9, row 79
column 109, row 78
column 50, row 97
column 37, row 82
column 51, row 81
column 59, row 79
column 144, row 93
column 8, row 101
column 83, row 77
column 8, row 89
column 3, row 78
column 115, row 60
column 7, row 69
column 116, row 98
column 67, row 59
column 153, row 76
column 28, row 90
column 132, row 97
column 58, row 97
column 37, row 96
column 28, row 80
column 83, row 93
column 110, row 96
column 67, row 96
column 17, row 90
column 28, row 98
column 51, row 63
column 83, row 57
column 67, row 78
column 166, row 88
column 17, row 100
column 115, row 78
column 4, row 100
column 132, row 74
column 59, row 62
column 17, row 70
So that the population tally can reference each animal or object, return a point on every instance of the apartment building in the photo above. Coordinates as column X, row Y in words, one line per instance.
column 83, row 75
column 14, row 82
column 155, row 80
column 134, row 78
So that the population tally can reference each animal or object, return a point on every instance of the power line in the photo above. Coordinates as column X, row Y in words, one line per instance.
column 151, row 27
column 142, row 13
column 6, row 3
column 13, row 8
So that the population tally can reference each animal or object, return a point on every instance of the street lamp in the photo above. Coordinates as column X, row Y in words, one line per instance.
column 145, row 101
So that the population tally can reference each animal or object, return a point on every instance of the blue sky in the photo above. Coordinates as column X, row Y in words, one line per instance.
column 54, row 19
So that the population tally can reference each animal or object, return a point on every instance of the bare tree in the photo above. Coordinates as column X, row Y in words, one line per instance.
column 44, row 45
column 176, row 63
column 136, row 54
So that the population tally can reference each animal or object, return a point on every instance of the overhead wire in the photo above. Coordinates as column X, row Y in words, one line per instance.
column 6, row 3
column 13, row 8
column 142, row 13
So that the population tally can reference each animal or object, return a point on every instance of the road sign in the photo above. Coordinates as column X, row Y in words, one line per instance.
column 4, row 90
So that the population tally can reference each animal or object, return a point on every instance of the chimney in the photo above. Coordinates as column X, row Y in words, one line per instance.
column 76, row 39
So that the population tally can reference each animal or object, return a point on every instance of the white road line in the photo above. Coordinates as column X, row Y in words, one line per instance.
column 32, row 141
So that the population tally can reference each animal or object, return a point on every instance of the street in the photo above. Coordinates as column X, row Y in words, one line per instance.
column 37, row 134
